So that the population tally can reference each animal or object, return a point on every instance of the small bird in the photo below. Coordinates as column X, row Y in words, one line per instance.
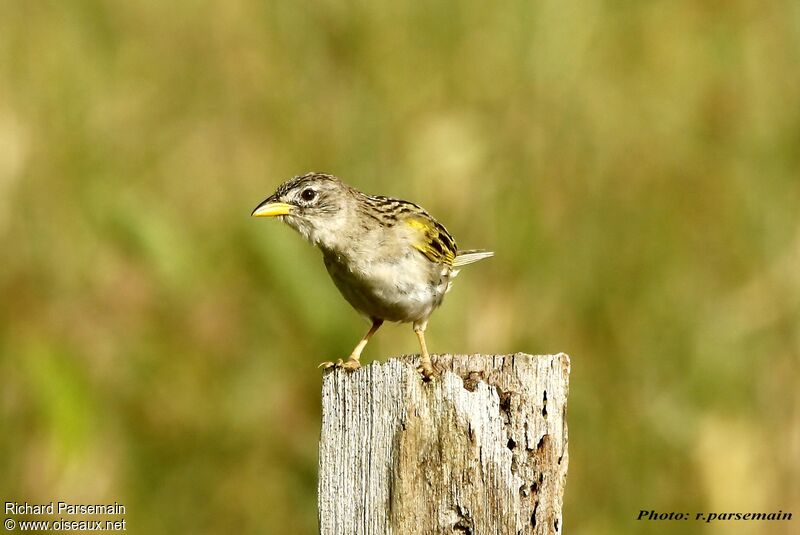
column 390, row 259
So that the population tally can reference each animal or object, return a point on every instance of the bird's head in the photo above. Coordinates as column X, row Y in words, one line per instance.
column 316, row 205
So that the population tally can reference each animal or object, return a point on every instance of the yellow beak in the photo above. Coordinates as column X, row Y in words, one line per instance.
column 271, row 209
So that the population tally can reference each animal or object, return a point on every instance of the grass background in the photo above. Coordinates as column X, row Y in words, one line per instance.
column 635, row 166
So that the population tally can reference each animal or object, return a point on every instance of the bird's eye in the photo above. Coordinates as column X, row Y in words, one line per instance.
column 308, row 194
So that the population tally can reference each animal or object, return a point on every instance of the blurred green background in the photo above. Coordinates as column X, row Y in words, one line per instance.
column 635, row 165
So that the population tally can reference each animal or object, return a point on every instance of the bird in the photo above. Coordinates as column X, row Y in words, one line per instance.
column 389, row 258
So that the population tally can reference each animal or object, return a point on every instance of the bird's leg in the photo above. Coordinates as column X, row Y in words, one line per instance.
column 425, row 366
column 352, row 362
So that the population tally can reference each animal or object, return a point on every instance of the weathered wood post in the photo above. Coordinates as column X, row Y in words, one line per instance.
column 480, row 450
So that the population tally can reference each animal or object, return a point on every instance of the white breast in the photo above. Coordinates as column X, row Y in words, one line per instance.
column 403, row 288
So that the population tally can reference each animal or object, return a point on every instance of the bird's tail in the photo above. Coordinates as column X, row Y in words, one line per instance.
column 468, row 257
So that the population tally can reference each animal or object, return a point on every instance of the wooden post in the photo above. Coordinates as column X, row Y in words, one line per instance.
column 482, row 449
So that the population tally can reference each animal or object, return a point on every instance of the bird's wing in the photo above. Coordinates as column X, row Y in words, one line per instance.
column 431, row 238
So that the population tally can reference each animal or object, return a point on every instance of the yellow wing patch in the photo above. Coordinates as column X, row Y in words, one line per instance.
column 433, row 240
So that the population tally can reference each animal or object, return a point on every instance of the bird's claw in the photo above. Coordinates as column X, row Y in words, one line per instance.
column 350, row 364
column 426, row 372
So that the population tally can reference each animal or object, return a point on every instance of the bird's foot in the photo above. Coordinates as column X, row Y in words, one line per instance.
column 351, row 364
column 426, row 370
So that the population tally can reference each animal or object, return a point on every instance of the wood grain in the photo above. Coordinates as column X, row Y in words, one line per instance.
column 482, row 449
